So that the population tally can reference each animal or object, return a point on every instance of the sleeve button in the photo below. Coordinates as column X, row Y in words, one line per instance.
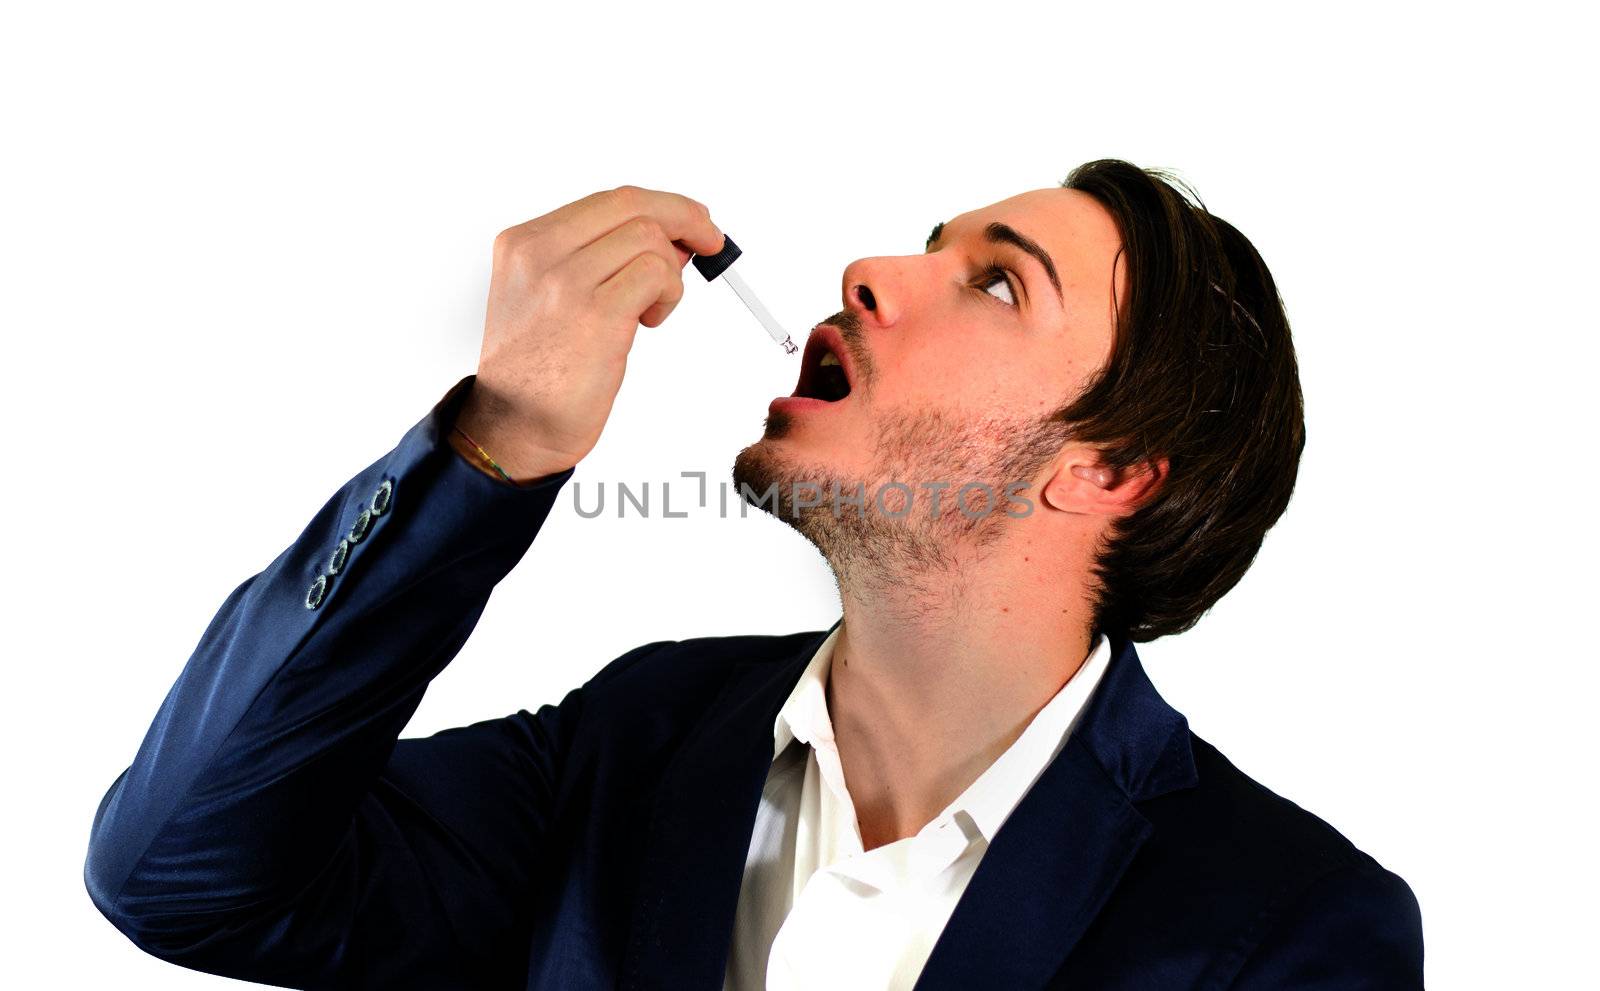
column 380, row 498
column 336, row 562
column 358, row 529
column 319, row 588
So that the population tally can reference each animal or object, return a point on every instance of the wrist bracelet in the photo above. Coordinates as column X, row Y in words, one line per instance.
column 485, row 455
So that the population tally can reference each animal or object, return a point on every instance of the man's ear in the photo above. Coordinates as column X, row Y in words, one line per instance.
column 1083, row 484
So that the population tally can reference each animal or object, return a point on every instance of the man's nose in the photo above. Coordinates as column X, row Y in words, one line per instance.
column 864, row 297
column 868, row 292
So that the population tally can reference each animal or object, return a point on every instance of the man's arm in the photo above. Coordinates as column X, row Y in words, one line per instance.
column 1354, row 928
column 270, row 828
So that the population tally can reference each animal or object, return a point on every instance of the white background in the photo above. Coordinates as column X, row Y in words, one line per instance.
column 243, row 250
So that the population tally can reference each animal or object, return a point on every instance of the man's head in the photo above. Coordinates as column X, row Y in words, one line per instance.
column 1107, row 341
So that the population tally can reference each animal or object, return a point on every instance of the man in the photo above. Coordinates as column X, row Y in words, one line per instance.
column 967, row 782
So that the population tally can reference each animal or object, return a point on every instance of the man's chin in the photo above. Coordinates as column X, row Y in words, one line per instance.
column 761, row 465
column 756, row 469
column 766, row 475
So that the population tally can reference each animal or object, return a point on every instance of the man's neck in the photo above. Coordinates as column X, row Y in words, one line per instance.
column 934, row 677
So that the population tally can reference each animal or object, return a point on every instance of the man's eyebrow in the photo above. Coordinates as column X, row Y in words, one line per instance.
column 999, row 233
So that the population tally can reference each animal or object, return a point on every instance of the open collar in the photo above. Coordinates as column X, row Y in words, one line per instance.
column 1044, row 877
column 992, row 796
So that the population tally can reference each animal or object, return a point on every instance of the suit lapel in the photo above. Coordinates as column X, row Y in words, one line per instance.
column 1060, row 854
column 1049, row 870
column 700, row 831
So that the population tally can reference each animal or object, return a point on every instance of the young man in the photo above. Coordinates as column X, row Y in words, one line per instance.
column 1062, row 429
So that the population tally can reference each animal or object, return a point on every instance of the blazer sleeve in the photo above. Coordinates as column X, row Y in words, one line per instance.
column 1357, row 927
column 271, row 828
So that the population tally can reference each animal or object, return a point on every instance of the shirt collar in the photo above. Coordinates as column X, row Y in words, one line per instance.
column 804, row 715
column 990, row 799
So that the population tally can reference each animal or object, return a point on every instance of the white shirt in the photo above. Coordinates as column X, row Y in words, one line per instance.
column 818, row 911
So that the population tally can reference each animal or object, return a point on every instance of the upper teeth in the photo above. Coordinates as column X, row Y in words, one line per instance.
column 829, row 359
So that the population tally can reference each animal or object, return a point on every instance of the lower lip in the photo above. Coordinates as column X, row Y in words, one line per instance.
column 798, row 404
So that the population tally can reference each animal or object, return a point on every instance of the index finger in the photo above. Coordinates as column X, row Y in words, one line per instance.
column 686, row 222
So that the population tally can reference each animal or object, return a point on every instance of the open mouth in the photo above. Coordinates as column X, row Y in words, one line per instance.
column 822, row 372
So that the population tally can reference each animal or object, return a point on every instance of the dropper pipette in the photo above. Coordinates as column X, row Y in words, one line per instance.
column 721, row 264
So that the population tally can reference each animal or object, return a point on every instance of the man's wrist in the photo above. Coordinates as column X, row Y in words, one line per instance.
column 486, row 443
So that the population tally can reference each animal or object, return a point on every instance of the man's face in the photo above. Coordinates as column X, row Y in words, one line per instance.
column 955, row 357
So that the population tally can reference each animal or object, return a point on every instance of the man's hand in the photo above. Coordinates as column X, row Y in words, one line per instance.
column 568, row 293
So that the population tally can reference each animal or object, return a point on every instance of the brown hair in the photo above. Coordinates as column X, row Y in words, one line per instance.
column 1202, row 373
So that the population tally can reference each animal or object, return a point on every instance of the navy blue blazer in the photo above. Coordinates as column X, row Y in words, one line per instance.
column 271, row 827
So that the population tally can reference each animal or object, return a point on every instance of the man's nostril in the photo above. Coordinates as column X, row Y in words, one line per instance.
column 865, row 295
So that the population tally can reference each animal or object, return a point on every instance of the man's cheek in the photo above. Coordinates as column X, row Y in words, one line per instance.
column 924, row 382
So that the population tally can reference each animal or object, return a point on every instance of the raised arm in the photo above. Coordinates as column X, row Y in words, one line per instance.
column 270, row 826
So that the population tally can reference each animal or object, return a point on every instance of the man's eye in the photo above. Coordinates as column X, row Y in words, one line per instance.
column 997, row 276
